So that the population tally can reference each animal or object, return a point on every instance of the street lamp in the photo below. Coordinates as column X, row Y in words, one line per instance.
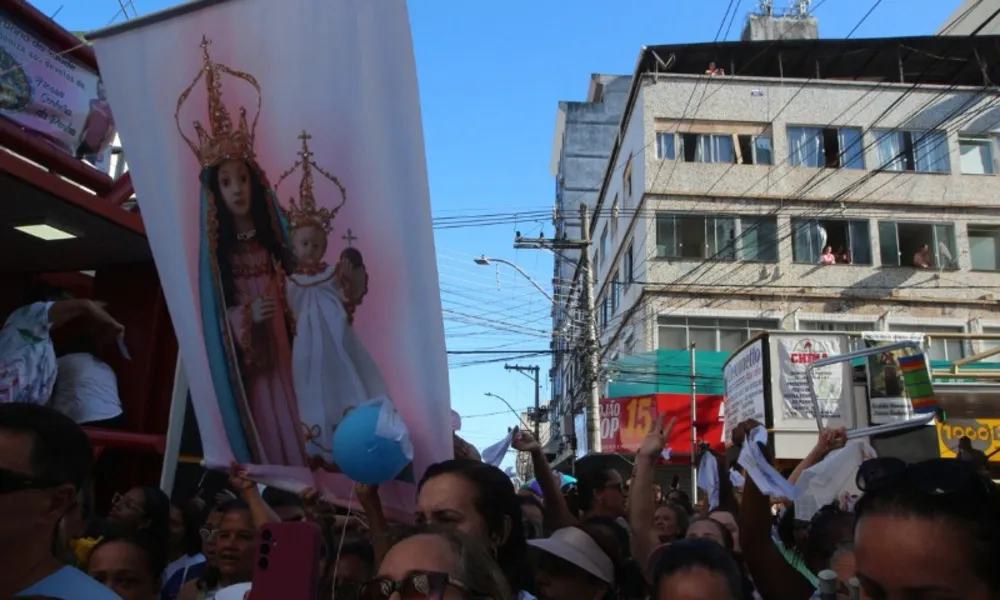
column 512, row 409
column 485, row 261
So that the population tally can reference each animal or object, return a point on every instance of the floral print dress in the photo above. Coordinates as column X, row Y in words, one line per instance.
column 27, row 357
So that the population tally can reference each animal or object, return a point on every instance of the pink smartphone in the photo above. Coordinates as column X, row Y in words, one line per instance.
column 288, row 562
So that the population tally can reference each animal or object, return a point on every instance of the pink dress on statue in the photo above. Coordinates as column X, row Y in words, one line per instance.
column 266, row 358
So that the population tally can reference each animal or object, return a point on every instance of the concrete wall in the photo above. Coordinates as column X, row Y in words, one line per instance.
column 969, row 15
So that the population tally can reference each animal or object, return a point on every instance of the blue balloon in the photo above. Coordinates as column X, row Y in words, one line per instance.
column 362, row 455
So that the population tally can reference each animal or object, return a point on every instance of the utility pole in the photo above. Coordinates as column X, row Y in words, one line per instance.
column 537, row 417
column 592, row 348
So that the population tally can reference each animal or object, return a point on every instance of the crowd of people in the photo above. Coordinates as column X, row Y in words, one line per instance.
column 919, row 530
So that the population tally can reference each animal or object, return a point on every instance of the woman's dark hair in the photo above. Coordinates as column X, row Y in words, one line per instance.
column 590, row 483
column 497, row 503
column 682, row 499
column 680, row 517
column 40, row 291
column 530, row 531
column 265, row 223
column 693, row 554
column 482, row 574
column 829, row 528
column 973, row 510
column 153, row 550
column 156, row 508
column 191, row 540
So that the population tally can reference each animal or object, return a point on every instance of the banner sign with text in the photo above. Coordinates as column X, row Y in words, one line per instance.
column 983, row 433
column 886, row 393
column 744, row 379
column 795, row 352
column 286, row 203
column 52, row 95
column 626, row 421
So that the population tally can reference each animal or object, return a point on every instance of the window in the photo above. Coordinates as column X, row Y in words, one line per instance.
column 629, row 266
column 627, row 178
column 838, row 326
column 604, row 246
column 695, row 236
column 826, row 147
column 604, row 313
column 850, row 241
column 759, row 239
column 630, row 345
column 985, row 345
column 940, row 348
column 744, row 149
column 720, row 335
column 921, row 245
column 921, row 151
column 665, row 145
column 977, row 155
column 615, row 293
column 614, row 218
column 984, row 248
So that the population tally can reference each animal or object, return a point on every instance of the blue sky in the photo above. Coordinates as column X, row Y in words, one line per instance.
column 491, row 74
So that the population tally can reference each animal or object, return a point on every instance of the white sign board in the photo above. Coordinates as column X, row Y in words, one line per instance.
column 744, row 379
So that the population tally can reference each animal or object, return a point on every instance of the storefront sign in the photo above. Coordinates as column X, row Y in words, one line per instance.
column 886, row 393
column 795, row 354
column 744, row 379
column 983, row 433
column 52, row 95
column 625, row 422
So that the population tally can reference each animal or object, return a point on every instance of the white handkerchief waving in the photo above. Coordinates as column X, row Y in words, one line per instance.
column 824, row 482
column 765, row 476
column 494, row 454
column 708, row 478
column 390, row 426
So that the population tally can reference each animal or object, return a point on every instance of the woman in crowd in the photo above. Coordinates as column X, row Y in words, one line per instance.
column 234, row 553
column 207, row 571
column 440, row 563
column 670, row 522
column 128, row 564
column 145, row 509
column 930, row 529
column 478, row 500
column 696, row 569
column 353, row 564
column 577, row 563
column 184, row 552
column 600, row 493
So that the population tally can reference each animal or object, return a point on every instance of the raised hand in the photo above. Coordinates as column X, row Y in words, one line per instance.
column 524, row 441
column 657, row 438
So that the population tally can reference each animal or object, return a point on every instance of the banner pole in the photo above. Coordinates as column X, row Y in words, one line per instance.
column 694, row 431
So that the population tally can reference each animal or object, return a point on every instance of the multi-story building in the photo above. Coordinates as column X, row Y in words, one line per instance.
column 728, row 192
column 585, row 133
column 973, row 16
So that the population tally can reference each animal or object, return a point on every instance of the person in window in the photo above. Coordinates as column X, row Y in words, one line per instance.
column 843, row 256
column 714, row 71
column 923, row 259
column 828, row 257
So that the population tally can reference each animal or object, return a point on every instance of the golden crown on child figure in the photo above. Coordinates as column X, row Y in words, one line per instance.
column 221, row 141
column 305, row 212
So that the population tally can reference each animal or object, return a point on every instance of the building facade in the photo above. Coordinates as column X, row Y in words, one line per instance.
column 585, row 133
column 812, row 186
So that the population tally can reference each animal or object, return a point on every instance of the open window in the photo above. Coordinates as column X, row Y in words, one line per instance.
column 825, row 147
column 732, row 143
column 695, row 237
column 920, row 151
column 921, row 245
column 848, row 240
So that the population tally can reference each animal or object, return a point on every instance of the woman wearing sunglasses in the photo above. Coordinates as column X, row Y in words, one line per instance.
column 145, row 509
column 930, row 529
column 437, row 564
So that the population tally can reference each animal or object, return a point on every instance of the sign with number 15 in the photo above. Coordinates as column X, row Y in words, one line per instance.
column 626, row 421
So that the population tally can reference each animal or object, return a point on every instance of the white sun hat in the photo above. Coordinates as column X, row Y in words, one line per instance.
column 573, row 545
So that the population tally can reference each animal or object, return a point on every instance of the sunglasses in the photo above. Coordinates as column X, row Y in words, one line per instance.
column 938, row 476
column 415, row 586
column 12, row 482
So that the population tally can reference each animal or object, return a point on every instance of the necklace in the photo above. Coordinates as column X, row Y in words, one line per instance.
column 246, row 236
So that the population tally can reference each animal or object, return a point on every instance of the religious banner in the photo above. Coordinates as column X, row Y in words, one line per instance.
column 52, row 95
column 888, row 400
column 286, row 202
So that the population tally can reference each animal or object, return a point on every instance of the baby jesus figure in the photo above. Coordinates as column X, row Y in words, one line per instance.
column 331, row 369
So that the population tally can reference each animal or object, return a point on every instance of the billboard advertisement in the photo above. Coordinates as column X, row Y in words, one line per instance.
column 626, row 421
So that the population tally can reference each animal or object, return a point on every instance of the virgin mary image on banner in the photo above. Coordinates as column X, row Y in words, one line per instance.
column 247, row 323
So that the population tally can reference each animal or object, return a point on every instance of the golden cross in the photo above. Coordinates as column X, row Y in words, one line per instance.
column 350, row 238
